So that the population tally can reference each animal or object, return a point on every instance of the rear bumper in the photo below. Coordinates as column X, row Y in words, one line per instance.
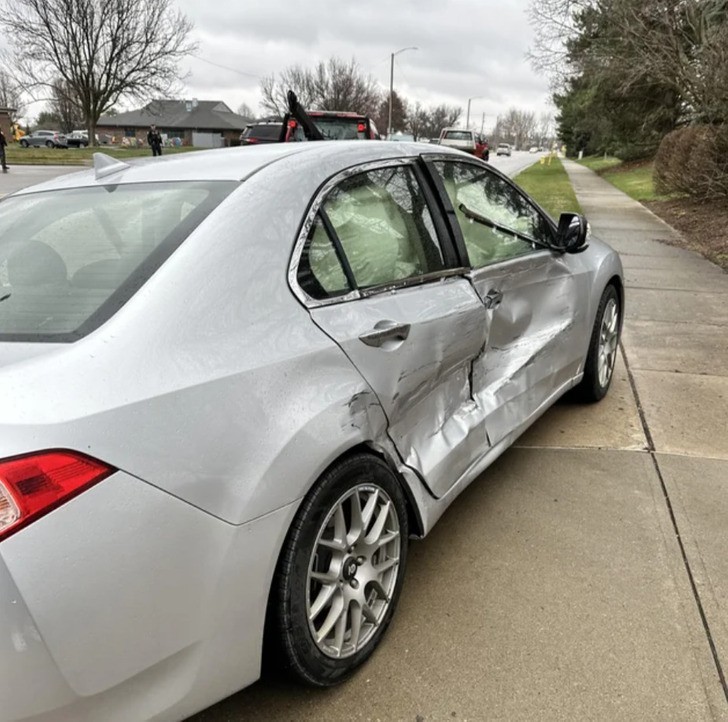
column 123, row 603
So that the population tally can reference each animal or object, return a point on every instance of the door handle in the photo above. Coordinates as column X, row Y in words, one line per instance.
column 385, row 331
column 493, row 299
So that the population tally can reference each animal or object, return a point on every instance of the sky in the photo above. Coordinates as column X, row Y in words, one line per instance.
column 466, row 49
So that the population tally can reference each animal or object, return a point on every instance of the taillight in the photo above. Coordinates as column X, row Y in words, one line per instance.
column 33, row 485
column 361, row 127
column 292, row 124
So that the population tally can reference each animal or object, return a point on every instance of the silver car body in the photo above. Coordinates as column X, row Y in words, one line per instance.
column 220, row 392
column 41, row 138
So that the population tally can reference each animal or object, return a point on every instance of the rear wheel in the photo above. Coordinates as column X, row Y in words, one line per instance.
column 49, row 144
column 603, row 345
column 24, row 143
column 341, row 571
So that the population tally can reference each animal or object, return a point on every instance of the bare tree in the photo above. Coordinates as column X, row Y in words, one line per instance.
column 516, row 127
column 65, row 106
column 331, row 85
column 102, row 50
column 246, row 111
column 10, row 95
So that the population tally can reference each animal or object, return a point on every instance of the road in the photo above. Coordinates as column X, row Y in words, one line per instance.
column 21, row 176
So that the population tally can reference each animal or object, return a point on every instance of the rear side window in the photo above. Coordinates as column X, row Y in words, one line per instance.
column 263, row 132
column 69, row 259
column 381, row 230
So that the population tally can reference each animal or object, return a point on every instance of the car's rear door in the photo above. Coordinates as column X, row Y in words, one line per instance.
column 381, row 280
column 536, row 321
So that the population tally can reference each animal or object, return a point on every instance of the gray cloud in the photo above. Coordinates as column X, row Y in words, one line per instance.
column 467, row 48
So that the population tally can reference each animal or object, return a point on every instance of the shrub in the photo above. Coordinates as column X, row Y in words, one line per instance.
column 693, row 161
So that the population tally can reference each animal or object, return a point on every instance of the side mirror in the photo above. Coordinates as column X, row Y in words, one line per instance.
column 572, row 232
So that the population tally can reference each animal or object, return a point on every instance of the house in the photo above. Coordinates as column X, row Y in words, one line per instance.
column 203, row 123
column 6, row 121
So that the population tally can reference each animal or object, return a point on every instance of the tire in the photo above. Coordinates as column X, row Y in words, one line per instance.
column 316, row 572
column 24, row 143
column 49, row 144
column 603, row 347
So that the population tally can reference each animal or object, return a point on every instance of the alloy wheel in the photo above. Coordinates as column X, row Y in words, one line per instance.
column 353, row 571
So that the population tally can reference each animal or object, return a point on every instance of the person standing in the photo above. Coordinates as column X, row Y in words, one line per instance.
column 3, row 145
column 154, row 139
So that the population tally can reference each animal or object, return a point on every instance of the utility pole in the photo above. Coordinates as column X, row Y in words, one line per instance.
column 391, row 87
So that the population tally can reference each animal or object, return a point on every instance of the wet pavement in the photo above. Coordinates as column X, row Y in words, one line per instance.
column 584, row 576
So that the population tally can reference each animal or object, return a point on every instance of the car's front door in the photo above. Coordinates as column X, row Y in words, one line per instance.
column 531, row 293
column 382, row 281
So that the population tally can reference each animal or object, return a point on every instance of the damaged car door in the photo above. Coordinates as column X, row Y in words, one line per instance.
column 381, row 279
column 531, row 293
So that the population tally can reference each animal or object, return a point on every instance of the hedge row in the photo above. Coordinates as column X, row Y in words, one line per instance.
column 694, row 161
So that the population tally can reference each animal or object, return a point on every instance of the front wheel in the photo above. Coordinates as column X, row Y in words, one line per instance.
column 603, row 345
column 341, row 571
column 24, row 143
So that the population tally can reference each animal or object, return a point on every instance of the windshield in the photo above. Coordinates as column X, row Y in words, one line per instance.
column 336, row 128
column 69, row 259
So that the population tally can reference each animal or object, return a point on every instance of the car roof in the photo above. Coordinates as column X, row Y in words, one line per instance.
column 235, row 164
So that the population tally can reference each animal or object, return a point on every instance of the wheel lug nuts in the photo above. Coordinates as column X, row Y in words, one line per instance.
column 354, row 584
column 360, row 560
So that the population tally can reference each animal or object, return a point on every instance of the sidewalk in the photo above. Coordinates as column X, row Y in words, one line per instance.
column 675, row 344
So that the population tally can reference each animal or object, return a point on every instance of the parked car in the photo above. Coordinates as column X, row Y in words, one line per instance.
column 48, row 138
column 236, row 383
column 264, row 132
column 503, row 149
column 79, row 139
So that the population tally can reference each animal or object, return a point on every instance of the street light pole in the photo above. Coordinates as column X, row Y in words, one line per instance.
column 467, row 120
column 391, row 87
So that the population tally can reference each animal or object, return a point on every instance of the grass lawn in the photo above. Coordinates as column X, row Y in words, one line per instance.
column 550, row 187
column 599, row 163
column 17, row 155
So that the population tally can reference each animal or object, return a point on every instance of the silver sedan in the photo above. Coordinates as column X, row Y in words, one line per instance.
column 235, row 384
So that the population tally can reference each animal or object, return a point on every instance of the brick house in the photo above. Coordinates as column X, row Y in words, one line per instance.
column 5, row 121
column 204, row 123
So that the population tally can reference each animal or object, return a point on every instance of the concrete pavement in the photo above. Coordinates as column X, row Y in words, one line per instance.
column 21, row 176
column 585, row 575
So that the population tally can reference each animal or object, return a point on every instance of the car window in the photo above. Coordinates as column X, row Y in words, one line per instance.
column 71, row 258
column 490, row 212
column 458, row 135
column 384, row 226
column 266, row 132
column 320, row 273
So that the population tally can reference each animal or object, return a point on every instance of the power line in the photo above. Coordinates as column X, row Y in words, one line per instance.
column 226, row 67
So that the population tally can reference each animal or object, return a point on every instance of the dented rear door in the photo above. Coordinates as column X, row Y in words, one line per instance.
column 405, row 314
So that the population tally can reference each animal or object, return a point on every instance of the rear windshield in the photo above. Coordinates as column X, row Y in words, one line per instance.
column 265, row 132
column 458, row 135
column 70, row 259
column 333, row 128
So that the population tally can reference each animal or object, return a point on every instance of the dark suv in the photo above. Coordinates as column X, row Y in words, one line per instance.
column 266, row 132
